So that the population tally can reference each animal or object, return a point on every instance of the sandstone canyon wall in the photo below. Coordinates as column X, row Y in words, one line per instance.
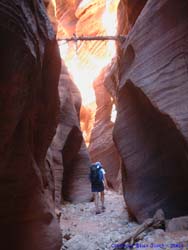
column 101, row 146
column 68, row 154
column 91, row 22
column 87, row 18
column 29, row 109
column 151, row 129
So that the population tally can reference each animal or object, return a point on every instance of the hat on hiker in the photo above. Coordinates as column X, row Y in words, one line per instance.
column 98, row 164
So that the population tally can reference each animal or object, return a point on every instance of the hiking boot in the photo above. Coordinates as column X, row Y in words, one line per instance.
column 103, row 208
column 98, row 212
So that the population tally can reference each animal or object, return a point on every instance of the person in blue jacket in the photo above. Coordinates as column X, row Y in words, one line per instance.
column 98, row 183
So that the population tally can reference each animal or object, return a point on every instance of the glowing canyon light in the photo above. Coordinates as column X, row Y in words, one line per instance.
column 55, row 7
column 85, row 66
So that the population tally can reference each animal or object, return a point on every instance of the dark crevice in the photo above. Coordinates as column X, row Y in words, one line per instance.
column 154, row 154
column 126, row 61
column 70, row 150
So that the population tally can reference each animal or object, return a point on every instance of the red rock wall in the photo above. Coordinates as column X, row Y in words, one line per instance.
column 28, row 118
column 68, row 154
column 76, row 186
column 85, row 18
column 128, row 11
column 151, row 128
column 101, row 146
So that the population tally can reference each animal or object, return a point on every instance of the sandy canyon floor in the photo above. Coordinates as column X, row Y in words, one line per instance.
column 82, row 229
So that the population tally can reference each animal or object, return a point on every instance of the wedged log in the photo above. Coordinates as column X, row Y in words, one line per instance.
column 153, row 144
column 28, row 119
column 67, row 154
column 154, row 154
column 101, row 146
column 86, row 18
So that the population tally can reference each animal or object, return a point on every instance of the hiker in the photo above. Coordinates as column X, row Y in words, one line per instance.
column 98, row 182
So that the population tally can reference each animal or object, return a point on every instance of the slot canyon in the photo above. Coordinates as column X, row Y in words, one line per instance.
column 86, row 81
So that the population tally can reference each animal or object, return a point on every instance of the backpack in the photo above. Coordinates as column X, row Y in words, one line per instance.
column 96, row 175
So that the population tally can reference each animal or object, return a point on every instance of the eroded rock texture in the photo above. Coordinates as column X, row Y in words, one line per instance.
column 128, row 11
column 28, row 118
column 91, row 18
column 101, row 146
column 68, row 154
column 151, row 129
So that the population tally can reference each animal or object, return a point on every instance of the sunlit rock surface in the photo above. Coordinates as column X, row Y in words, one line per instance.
column 87, row 118
column 28, row 119
column 101, row 146
column 85, row 60
column 151, row 129
column 68, row 154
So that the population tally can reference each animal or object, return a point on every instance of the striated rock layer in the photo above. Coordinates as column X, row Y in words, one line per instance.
column 68, row 154
column 101, row 146
column 151, row 129
column 28, row 118
column 128, row 11
column 85, row 59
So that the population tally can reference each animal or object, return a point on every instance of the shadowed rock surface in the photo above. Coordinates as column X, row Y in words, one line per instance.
column 101, row 146
column 28, row 119
column 90, row 18
column 128, row 11
column 68, row 154
column 151, row 129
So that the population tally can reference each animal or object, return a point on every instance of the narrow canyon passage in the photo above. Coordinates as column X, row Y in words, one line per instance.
column 145, row 148
column 83, row 81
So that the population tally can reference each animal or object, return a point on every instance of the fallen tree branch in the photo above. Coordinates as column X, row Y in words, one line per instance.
column 75, row 38
column 157, row 221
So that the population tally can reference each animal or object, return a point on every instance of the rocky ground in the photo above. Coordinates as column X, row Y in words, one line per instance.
column 83, row 230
